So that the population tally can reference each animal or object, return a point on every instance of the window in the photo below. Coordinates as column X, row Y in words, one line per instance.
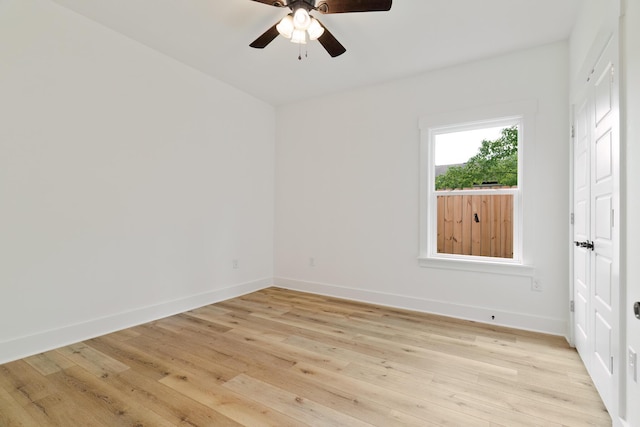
column 472, row 185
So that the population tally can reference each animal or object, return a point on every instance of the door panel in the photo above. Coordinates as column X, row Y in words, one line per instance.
column 603, row 157
column 582, row 224
column 581, row 298
column 604, row 93
column 603, row 282
column 582, row 307
column 602, row 218
column 603, row 340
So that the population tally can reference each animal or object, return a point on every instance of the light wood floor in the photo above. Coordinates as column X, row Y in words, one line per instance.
column 284, row 358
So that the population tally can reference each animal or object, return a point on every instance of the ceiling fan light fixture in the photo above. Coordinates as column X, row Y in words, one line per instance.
column 299, row 36
column 301, row 19
column 315, row 30
column 286, row 27
column 299, row 26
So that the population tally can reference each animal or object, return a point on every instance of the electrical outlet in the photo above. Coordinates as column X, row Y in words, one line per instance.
column 536, row 286
column 235, row 263
column 633, row 364
column 312, row 262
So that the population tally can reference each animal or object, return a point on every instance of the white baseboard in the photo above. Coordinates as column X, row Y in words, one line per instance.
column 479, row 314
column 55, row 338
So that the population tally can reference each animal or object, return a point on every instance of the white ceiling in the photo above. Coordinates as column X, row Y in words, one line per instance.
column 213, row 36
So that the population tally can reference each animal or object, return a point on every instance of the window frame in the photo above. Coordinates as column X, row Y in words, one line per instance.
column 520, row 113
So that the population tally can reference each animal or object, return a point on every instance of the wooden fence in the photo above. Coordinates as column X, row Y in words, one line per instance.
column 479, row 225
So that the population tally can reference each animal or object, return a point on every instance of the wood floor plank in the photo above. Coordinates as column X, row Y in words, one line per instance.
column 24, row 383
column 406, row 402
column 12, row 414
column 485, row 405
column 224, row 349
column 350, row 355
column 141, row 360
column 49, row 362
column 393, row 379
column 192, row 357
column 304, row 410
column 124, row 334
column 328, row 394
column 92, row 360
column 236, row 406
column 420, row 356
column 103, row 401
column 177, row 408
column 61, row 409
column 283, row 358
column 533, row 397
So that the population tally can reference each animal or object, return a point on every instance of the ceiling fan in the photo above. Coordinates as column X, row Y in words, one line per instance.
column 299, row 25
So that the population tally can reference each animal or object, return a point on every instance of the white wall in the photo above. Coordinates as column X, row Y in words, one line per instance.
column 128, row 182
column 347, row 192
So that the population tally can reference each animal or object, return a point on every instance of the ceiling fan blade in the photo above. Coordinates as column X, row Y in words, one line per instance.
column 346, row 6
column 276, row 3
column 330, row 43
column 266, row 38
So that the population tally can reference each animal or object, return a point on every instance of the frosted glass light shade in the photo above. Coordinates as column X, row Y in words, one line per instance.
column 285, row 27
column 299, row 36
column 315, row 29
column 301, row 19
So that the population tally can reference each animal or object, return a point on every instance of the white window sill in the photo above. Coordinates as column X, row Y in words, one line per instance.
column 478, row 266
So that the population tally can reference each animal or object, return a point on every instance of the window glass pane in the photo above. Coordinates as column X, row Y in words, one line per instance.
column 478, row 158
column 481, row 160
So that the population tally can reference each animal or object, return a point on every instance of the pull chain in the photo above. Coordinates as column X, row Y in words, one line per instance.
column 306, row 52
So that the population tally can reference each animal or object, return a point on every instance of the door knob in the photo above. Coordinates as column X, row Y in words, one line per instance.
column 636, row 309
column 586, row 244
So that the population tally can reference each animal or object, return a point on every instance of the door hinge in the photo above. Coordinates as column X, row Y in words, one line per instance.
column 613, row 74
column 613, row 218
column 572, row 306
column 573, row 218
column 573, row 131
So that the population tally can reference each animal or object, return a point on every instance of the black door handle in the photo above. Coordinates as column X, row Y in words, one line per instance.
column 586, row 244
column 636, row 309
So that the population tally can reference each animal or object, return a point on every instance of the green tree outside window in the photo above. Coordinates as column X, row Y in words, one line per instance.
column 496, row 162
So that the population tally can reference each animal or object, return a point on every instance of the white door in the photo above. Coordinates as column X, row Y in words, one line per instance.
column 581, row 228
column 596, row 195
